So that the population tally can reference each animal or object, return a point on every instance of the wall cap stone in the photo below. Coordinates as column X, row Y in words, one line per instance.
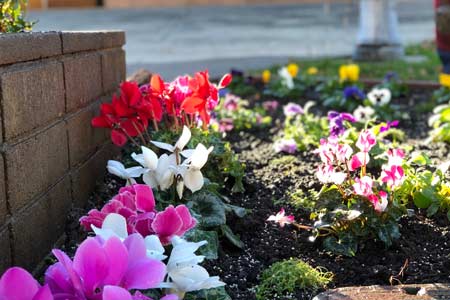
column 25, row 46
column 77, row 41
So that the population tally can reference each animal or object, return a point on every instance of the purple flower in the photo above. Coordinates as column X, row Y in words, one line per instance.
column 353, row 92
column 237, row 73
column 104, row 268
column 285, row 145
column 388, row 126
column 18, row 284
column 224, row 92
column 292, row 109
column 390, row 76
column 270, row 105
column 336, row 121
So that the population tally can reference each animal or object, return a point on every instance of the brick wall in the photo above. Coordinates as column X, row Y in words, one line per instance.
column 51, row 85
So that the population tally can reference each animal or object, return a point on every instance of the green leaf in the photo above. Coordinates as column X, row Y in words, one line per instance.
column 210, row 207
column 211, row 294
column 421, row 159
column 422, row 198
column 238, row 211
column 432, row 209
column 346, row 245
column 210, row 250
column 233, row 238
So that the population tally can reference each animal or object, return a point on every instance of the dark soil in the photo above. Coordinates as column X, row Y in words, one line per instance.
column 424, row 245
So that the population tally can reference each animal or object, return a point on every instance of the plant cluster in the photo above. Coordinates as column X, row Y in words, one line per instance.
column 126, row 259
column 442, row 95
column 12, row 17
column 440, row 122
column 235, row 113
column 290, row 275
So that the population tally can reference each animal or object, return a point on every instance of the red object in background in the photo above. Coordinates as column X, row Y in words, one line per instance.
column 442, row 10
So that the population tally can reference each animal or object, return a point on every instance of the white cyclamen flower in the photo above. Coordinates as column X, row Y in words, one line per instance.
column 363, row 113
column 149, row 160
column 179, row 145
column 286, row 78
column 115, row 225
column 117, row 168
column 379, row 97
column 184, row 273
column 189, row 170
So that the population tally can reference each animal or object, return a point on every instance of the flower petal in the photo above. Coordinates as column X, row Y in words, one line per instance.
column 18, row 284
column 115, row 293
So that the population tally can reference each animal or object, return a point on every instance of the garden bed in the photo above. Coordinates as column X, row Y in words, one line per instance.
column 421, row 255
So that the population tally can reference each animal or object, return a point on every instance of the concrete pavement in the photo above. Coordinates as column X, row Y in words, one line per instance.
column 173, row 41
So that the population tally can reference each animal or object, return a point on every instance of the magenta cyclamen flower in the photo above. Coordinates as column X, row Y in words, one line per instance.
column 18, row 284
column 136, row 204
column 366, row 140
column 104, row 270
column 292, row 109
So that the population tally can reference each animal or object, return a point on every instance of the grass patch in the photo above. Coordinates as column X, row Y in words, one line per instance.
column 290, row 275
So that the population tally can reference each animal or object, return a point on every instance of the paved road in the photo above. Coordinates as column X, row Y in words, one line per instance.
column 179, row 40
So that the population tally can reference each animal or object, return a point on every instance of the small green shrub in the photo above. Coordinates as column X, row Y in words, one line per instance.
column 12, row 18
column 290, row 275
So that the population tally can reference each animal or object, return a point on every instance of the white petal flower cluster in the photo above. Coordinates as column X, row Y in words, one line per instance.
column 179, row 166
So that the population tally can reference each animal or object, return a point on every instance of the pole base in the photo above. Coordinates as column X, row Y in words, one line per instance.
column 378, row 52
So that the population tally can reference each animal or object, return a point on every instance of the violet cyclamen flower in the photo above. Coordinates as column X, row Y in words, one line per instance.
column 285, row 145
column 104, row 268
column 353, row 92
column 18, row 284
column 292, row 109
column 336, row 121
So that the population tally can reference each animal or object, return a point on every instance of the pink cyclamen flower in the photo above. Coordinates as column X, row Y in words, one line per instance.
column 270, row 105
column 292, row 109
column 358, row 160
column 173, row 221
column 382, row 203
column 135, row 203
column 327, row 150
column 327, row 174
column 395, row 157
column 366, row 140
column 231, row 102
column 393, row 176
column 226, row 124
column 281, row 218
column 343, row 152
column 363, row 186
column 104, row 270
column 18, row 284
column 285, row 145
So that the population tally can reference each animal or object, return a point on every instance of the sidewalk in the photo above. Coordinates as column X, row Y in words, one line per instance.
column 172, row 41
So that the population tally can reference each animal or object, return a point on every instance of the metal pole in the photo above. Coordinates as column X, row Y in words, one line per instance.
column 378, row 36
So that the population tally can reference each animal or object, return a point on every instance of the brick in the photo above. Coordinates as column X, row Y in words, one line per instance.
column 113, row 69
column 20, row 47
column 35, row 164
column 83, row 80
column 5, row 250
column 36, row 229
column 77, row 41
column 33, row 95
column 87, row 175
column 3, row 207
column 84, row 139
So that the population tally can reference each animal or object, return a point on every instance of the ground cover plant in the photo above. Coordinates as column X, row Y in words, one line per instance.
column 329, row 197
column 12, row 17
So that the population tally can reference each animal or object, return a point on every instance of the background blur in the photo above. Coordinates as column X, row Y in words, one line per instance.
column 181, row 36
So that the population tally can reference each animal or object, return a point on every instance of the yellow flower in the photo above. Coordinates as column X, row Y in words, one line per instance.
column 445, row 190
column 312, row 71
column 444, row 79
column 349, row 72
column 293, row 69
column 266, row 76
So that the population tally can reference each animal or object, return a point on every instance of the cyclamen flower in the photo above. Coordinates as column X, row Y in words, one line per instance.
column 281, row 218
column 326, row 150
column 336, row 122
column 366, row 140
column 395, row 157
column 117, row 168
column 393, row 176
column 292, row 109
column 173, row 221
column 381, row 203
column 18, row 284
column 226, row 124
column 363, row 186
column 270, row 105
column 231, row 102
column 379, row 97
column 327, row 174
column 358, row 160
column 285, row 145
column 353, row 92
column 104, row 270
